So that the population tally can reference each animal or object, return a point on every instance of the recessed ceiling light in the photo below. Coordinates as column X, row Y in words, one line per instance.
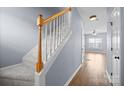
column 92, row 18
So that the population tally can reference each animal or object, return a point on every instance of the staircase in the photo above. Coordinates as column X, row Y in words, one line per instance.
column 53, row 33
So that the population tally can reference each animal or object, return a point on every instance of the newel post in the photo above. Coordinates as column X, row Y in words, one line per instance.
column 39, row 65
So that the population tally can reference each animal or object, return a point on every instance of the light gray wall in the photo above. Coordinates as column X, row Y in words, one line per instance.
column 18, row 32
column 104, row 43
column 122, row 46
column 70, row 57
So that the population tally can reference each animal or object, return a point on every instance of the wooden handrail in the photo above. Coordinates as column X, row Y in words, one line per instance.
column 56, row 15
column 40, row 23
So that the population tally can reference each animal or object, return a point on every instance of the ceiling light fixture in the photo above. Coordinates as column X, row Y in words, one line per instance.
column 94, row 32
column 92, row 18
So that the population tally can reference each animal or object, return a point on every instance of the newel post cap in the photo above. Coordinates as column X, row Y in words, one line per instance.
column 40, row 20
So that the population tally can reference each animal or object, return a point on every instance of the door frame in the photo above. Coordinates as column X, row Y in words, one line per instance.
column 114, row 80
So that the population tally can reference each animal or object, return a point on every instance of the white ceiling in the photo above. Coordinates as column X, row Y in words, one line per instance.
column 100, row 25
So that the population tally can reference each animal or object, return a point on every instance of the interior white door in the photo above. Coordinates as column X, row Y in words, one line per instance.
column 109, row 50
column 116, row 46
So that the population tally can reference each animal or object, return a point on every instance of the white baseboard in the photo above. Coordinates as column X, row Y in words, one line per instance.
column 11, row 66
column 110, row 81
column 69, row 80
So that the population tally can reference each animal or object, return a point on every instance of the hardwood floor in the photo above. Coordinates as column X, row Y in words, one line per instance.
column 92, row 72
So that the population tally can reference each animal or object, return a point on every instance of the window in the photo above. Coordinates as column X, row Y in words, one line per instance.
column 95, row 43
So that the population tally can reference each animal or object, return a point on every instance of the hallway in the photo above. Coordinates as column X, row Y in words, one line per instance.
column 92, row 71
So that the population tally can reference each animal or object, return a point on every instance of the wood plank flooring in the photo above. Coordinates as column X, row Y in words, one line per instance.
column 92, row 72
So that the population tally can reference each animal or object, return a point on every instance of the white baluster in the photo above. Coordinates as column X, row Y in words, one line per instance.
column 57, row 31
column 66, row 24
column 59, row 25
column 46, row 38
column 50, row 39
column 52, row 36
column 69, row 18
column 44, row 43
column 62, row 27
column 54, row 33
